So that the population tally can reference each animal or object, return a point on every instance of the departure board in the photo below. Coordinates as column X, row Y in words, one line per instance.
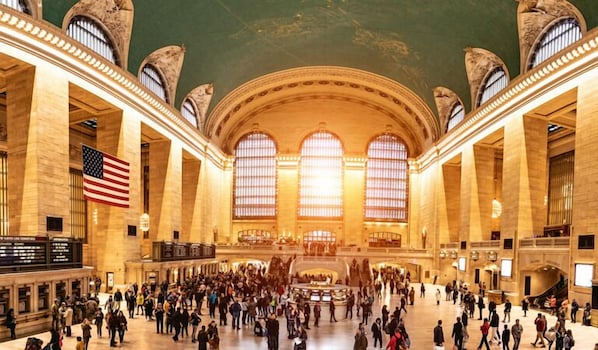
column 38, row 253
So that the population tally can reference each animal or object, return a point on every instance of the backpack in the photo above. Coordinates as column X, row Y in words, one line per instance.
column 571, row 342
column 399, row 343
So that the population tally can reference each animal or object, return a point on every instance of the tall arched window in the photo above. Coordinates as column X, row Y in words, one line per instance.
column 255, row 177
column 559, row 36
column 494, row 82
column 189, row 112
column 19, row 5
column 387, row 179
column 456, row 116
column 321, row 181
column 152, row 79
column 89, row 33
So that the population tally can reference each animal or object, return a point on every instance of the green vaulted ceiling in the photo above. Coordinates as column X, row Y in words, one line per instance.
column 418, row 43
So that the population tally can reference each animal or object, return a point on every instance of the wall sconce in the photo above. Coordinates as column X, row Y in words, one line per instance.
column 492, row 255
column 442, row 254
column 453, row 254
column 475, row 255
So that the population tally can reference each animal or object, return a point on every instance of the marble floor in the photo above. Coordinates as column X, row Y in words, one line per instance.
column 420, row 321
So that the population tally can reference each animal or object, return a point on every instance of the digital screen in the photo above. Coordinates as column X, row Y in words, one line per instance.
column 314, row 297
column 584, row 274
column 462, row 263
column 61, row 252
column 326, row 297
column 506, row 267
column 22, row 253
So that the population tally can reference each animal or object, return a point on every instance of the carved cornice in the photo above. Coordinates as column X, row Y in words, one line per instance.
column 315, row 82
column 478, row 64
column 533, row 17
column 201, row 96
column 169, row 61
column 572, row 61
column 445, row 99
column 116, row 16
column 45, row 42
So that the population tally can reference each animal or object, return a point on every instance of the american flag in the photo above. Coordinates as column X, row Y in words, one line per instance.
column 105, row 178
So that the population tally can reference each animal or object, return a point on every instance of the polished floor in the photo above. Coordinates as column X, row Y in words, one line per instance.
column 420, row 321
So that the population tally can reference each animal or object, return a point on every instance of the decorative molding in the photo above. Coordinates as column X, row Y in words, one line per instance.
column 169, row 61
column 116, row 16
column 478, row 64
column 445, row 99
column 45, row 42
column 201, row 96
column 534, row 16
column 325, row 82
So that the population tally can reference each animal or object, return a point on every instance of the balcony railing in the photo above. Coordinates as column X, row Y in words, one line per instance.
column 547, row 242
column 485, row 244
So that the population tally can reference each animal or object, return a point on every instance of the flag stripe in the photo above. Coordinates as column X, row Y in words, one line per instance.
column 105, row 178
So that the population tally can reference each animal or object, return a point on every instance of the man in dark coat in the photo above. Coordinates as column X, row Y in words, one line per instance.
column 272, row 326
column 457, row 334
column 438, row 334
column 202, row 339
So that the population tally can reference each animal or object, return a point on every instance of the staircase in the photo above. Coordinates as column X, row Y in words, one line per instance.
column 559, row 289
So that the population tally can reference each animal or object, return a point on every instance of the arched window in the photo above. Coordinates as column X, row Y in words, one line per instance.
column 559, row 36
column 255, row 177
column 321, row 181
column 456, row 116
column 89, row 33
column 189, row 112
column 495, row 81
column 19, row 5
column 387, row 179
column 152, row 79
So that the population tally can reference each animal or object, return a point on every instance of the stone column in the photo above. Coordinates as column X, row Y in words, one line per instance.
column 118, row 134
column 524, row 178
column 190, row 213
column 353, row 205
column 165, row 161
column 38, row 150
column 449, row 226
column 288, row 184
column 477, row 191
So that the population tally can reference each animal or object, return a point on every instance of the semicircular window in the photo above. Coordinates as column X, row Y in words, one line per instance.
column 189, row 112
column 19, row 5
column 456, row 116
column 152, row 79
column 495, row 81
column 89, row 33
column 559, row 36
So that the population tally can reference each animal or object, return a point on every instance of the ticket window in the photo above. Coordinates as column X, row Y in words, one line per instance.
column 24, row 300
column 61, row 291
column 4, row 301
column 76, row 288
column 43, row 297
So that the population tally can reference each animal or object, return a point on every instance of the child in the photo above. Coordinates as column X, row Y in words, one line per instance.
column 80, row 345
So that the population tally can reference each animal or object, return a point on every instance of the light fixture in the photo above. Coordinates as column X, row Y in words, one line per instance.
column 442, row 254
column 492, row 255
column 496, row 209
column 453, row 254
column 475, row 255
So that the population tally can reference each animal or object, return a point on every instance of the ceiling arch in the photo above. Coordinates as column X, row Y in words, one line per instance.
column 338, row 96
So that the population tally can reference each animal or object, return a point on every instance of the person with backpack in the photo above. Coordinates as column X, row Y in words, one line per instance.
column 377, row 331
column 396, row 341
column 568, row 342
column 439, row 335
column 361, row 341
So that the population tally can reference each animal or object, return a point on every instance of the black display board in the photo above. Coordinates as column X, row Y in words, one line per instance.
column 38, row 253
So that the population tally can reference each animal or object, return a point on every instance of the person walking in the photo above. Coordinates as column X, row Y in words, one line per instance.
column 481, row 305
column 99, row 320
column 317, row 314
column 438, row 334
column 86, row 331
column 176, row 322
column 306, row 313
column 525, row 306
column 540, row 328
column 67, row 317
column 113, row 324
column 457, row 334
column 377, row 332
column 485, row 329
column 272, row 326
column 202, row 339
column 506, row 337
column 507, row 311
column 385, row 314
column 332, row 309
column 516, row 332
column 361, row 341
column 438, row 296
column 195, row 321
column 422, row 291
column 574, row 309
column 235, row 310
column 301, row 340
column 122, row 326
column 11, row 323
column 494, row 323
column 159, row 314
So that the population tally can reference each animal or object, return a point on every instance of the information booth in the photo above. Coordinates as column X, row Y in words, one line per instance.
column 24, row 299
column 43, row 297
column 4, row 301
column 60, row 291
column 76, row 288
